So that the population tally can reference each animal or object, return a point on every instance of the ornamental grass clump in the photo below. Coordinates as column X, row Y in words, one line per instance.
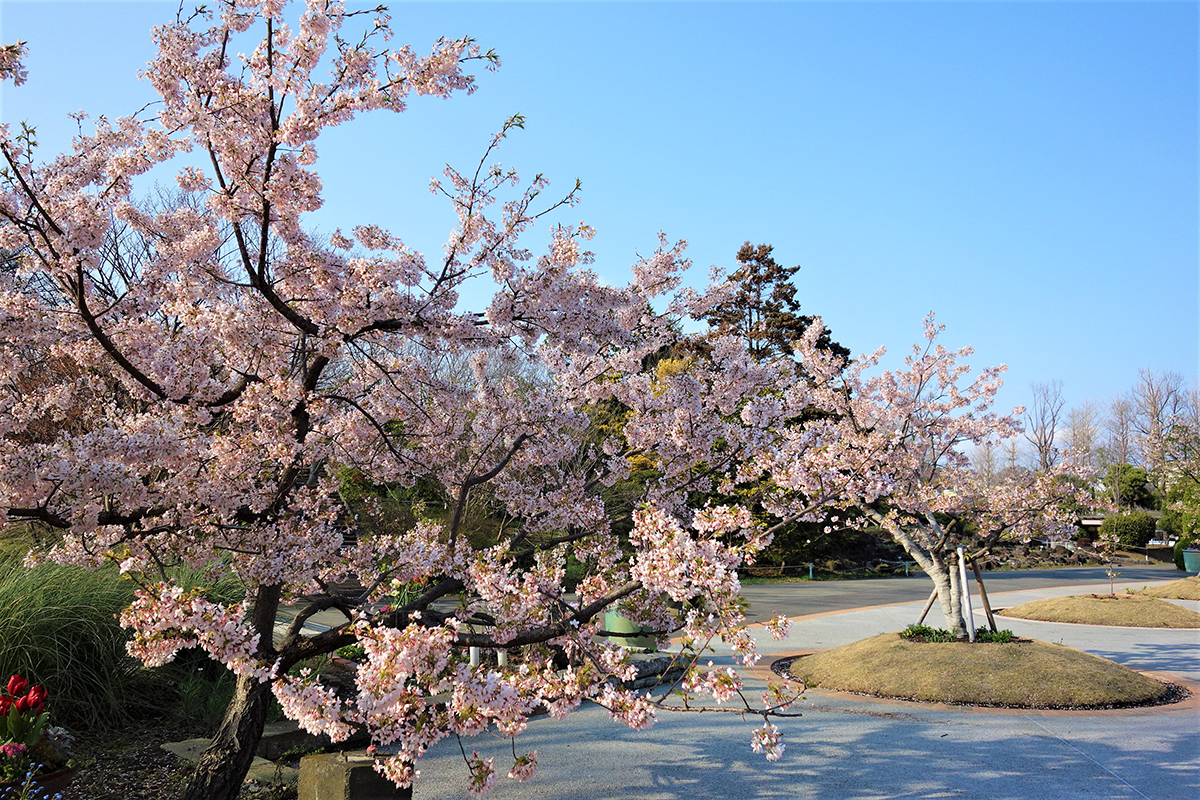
column 58, row 624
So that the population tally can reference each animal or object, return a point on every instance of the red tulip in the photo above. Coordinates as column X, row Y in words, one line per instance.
column 17, row 685
column 21, row 704
column 5, row 705
column 37, row 699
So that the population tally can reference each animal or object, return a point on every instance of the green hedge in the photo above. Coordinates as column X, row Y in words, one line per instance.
column 1132, row 530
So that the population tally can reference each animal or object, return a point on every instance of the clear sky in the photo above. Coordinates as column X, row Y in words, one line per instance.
column 1027, row 170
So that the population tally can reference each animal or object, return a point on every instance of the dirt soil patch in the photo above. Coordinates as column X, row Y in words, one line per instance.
column 133, row 766
column 1185, row 589
column 1021, row 674
column 1125, row 610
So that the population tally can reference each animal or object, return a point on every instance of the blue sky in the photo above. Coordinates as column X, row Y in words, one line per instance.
column 1026, row 170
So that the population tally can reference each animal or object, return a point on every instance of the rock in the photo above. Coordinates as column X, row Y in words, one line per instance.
column 286, row 737
column 345, row 776
column 651, row 672
column 261, row 770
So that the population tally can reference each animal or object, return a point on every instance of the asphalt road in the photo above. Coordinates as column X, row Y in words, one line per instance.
column 817, row 597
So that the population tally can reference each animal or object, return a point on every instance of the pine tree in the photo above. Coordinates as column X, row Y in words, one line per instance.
column 765, row 312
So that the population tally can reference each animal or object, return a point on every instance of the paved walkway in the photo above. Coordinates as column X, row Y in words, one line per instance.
column 847, row 747
column 811, row 597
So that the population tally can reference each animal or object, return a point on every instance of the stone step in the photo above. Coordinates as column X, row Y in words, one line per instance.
column 287, row 738
column 261, row 770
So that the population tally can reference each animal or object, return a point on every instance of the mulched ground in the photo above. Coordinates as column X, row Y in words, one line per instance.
column 130, row 765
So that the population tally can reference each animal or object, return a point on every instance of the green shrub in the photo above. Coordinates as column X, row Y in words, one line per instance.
column 202, row 690
column 1131, row 530
column 351, row 652
column 1184, row 543
column 924, row 633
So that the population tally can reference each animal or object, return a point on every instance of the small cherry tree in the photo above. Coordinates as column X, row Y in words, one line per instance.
column 212, row 365
column 890, row 446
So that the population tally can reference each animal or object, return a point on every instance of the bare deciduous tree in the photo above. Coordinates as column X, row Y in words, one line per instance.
column 1083, row 432
column 985, row 460
column 1011, row 458
column 1119, row 446
column 1157, row 398
column 1041, row 422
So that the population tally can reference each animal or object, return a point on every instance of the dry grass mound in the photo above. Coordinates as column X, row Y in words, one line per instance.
column 1021, row 674
column 1185, row 589
column 1125, row 610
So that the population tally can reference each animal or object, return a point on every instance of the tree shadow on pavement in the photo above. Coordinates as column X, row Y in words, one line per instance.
column 1147, row 655
column 873, row 758
column 865, row 751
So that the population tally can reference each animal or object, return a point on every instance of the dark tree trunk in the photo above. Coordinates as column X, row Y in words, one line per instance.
column 224, row 765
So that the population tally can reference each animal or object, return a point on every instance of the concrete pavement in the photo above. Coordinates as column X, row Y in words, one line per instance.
column 811, row 597
column 850, row 747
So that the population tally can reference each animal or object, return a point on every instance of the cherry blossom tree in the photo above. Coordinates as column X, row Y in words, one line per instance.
column 214, row 365
column 894, row 448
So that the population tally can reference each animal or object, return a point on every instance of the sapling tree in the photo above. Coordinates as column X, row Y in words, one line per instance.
column 180, row 382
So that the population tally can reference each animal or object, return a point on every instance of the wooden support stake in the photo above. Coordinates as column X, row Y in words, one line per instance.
column 983, row 595
column 928, row 605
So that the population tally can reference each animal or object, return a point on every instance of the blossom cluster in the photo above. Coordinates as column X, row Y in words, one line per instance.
column 166, row 619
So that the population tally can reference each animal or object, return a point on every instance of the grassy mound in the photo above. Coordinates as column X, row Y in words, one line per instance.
column 1021, row 674
column 1126, row 610
column 1185, row 589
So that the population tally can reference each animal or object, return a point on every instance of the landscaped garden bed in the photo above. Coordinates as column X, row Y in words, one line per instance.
column 1016, row 674
column 1125, row 610
column 1183, row 589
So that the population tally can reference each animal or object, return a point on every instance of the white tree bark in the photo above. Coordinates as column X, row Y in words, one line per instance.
column 945, row 579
